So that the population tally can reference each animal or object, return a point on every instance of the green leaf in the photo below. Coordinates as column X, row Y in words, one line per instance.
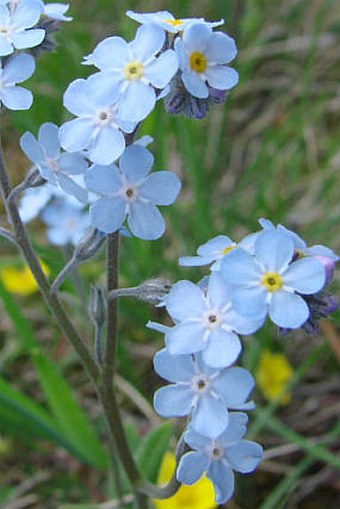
column 152, row 450
column 72, row 422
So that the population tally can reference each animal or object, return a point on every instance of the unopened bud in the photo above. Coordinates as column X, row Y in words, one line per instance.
column 89, row 245
column 97, row 308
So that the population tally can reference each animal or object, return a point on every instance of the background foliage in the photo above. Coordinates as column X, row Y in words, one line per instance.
column 271, row 151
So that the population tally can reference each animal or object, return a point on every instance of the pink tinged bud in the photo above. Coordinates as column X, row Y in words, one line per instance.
column 329, row 265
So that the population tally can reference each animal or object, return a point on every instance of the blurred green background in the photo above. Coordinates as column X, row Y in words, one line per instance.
column 271, row 151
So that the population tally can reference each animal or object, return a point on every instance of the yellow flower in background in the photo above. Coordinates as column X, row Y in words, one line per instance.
column 272, row 375
column 20, row 280
column 198, row 496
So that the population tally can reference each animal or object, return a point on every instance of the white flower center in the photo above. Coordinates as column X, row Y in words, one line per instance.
column 200, row 384
column 130, row 192
column 133, row 71
column 52, row 164
column 212, row 319
column 6, row 30
column 104, row 116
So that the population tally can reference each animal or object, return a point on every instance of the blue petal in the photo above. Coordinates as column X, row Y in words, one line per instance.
column 107, row 146
column 223, row 480
column 195, row 84
column 234, row 385
column 31, row 148
column 185, row 300
column 69, row 186
column 111, row 53
column 222, row 78
column 18, row 69
column 72, row 163
column 76, row 99
column 103, row 180
column 244, row 456
column 239, row 268
column 145, row 221
column 274, row 249
column 306, row 276
column 107, row 214
column 75, row 135
column 162, row 69
column 195, row 440
column 221, row 48
column 161, row 188
column 174, row 368
column 135, row 163
column 16, row 98
column 26, row 15
column 210, row 417
column 137, row 102
column 218, row 292
column 148, row 41
column 191, row 467
column 186, row 337
column 29, row 38
column 173, row 400
column 215, row 246
column 288, row 310
column 49, row 139
column 236, row 429
column 222, row 350
column 250, row 302
column 196, row 37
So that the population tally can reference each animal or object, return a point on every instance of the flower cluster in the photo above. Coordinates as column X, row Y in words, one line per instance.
column 24, row 26
column 270, row 272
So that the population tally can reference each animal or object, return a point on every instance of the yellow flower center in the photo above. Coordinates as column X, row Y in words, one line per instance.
column 227, row 250
column 197, row 61
column 133, row 71
column 272, row 281
column 174, row 22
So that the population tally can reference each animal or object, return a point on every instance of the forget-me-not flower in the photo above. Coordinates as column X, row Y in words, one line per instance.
column 66, row 222
column 16, row 27
column 202, row 56
column 18, row 68
column 98, row 128
column 202, row 392
column 206, row 322
column 168, row 22
column 136, row 69
column 129, row 190
column 54, row 166
column 270, row 281
column 56, row 11
column 218, row 457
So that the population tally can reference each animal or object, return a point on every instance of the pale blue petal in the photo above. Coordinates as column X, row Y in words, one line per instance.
column 239, row 267
column 49, row 139
column 107, row 146
column 137, row 102
column 161, row 188
column 191, row 467
column 306, row 276
column 210, row 417
column 195, row 84
column 6, row 47
column 173, row 400
column 162, row 69
column 195, row 261
column 222, row 78
column 234, row 385
column 135, row 163
column 69, row 186
column 223, row 480
column 242, row 324
column 183, row 61
column 29, row 38
column 145, row 221
column 222, row 350
column 174, row 368
column 244, row 456
column 196, row 37
column 107, row 214
column 72, row 163
column 195, row 440
column 111, row 53
column 31, row 148
column 250, row 302
column 76, row 99
column 18, row 68
column 215, row 246
column 101, row 90
column 16, row 98
column 75, row 135
column 185, row 300
column 236, row 429
column 274, row 249
column 221, row 48
column 288, row 310
column 26, row 15
column 185, row 338
column 218, row 292
column 103, row 180
column 319, row 250
column 149, row 40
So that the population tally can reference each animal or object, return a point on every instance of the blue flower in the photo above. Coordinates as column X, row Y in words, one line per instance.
column 206, row 322
column 168, row 22
column 271, row 281
column 16, row 27
column 202, row 392
column 66, row 221
column 16, row 69
column 214, row 251
column 202, row 56
column 131, row 191
column 136, row 69
column 56, row 11
column 33, row 201
column 54, row 166
column 98, row 128
column 218, row 457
